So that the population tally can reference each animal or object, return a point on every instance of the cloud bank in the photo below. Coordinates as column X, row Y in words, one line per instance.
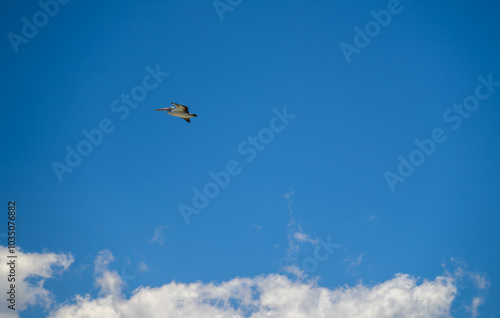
column 272, row 295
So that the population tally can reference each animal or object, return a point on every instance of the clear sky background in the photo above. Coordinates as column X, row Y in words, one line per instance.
column 112, row 229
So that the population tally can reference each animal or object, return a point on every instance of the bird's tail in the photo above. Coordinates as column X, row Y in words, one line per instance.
column 194, row 115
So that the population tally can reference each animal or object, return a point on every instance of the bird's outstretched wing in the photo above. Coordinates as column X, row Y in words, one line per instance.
column 180, row 107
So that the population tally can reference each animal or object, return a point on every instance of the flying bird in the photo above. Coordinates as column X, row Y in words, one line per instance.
column 179, row 111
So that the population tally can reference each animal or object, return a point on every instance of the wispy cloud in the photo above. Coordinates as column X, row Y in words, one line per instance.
column 463, row 277
column 295, row 271
column 461, row 272
column 257, row 227
column 288, row 196
column 158, row 236
column 369, row 217
column 296, row 236
column 354, row 261
column 473, row 308
column 102, row 261
column 292, row 225
column 302, row 237
column 480, row 280
column 142, row 267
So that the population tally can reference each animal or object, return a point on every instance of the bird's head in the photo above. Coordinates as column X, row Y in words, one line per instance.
column 168, row 109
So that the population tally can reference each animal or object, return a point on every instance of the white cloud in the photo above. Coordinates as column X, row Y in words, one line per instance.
column 289, row 195
column 257, row 227
column 273, row 296
column 142, row 267
column 479, row 280
column 473, row 309
column 102, row 261
column 354, row 261
column 463, row 276
column 158, row 236
column 304, row 238
column 31, row 272
column 108, row 282
column 296, row 236
column 295, row 271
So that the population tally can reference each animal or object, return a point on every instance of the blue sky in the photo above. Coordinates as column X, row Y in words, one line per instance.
column 112, row 226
